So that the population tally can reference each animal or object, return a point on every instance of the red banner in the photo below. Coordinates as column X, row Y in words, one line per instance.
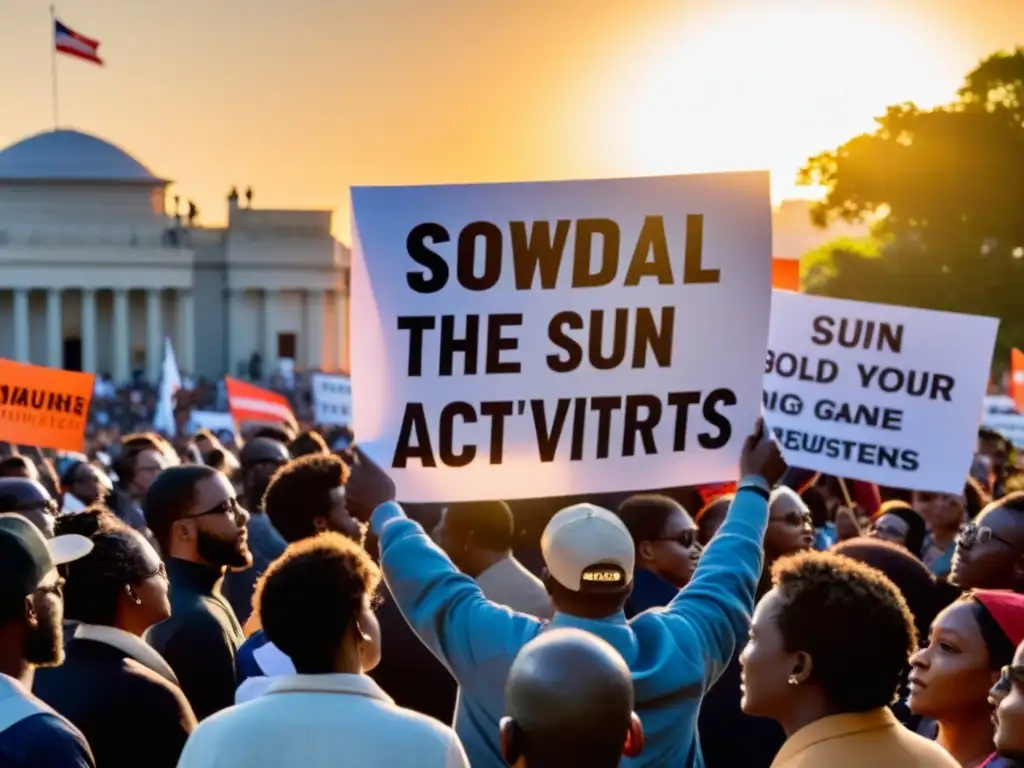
column 251, row 403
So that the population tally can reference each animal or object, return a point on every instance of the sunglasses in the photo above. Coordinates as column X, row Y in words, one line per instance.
column 230, row 507
column 1009, row 676
column 796, row 519
column 686, row 539
column 972, row 534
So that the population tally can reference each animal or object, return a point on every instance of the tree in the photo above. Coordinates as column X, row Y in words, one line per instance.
column 944, row 189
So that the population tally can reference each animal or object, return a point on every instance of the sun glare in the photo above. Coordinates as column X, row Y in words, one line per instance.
column 761, row 89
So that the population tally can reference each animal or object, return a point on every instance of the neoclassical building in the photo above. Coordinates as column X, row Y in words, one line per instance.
column 95, row 271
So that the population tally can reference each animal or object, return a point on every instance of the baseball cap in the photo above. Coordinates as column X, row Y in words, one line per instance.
column 586, row 546
column 29, row 561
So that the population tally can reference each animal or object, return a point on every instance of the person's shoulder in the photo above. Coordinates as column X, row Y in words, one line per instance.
column 45, row 739
column 146, row 685
column 420, row 728
column 924, row 752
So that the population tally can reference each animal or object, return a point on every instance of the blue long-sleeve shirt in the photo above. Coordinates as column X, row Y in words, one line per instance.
column 675, row 653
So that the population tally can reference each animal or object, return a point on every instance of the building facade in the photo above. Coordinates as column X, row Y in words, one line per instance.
column 95, row 272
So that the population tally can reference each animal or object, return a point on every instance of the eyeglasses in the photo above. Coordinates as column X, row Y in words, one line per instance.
column 972, row 534
column 889, row 530
column 230, row 507
column 686, row 539
column 794, row 518
column 1010, row 675
column 161, row 571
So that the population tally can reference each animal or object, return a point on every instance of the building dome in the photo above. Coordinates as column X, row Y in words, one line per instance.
column 65, row 155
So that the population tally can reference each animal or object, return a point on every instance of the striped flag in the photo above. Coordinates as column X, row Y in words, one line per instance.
column 73, row 44
column 251, row 403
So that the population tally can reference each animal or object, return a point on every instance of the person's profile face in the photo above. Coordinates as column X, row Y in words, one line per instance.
column 988, row 550
column 952, row 672
column 91, row 485
column 765, row 664
column 339, row 520
column 369, row 646
column 891, row 528
column 44, row 640
column 940, row 511
column 1009, row 712
column 675, row 553
column 148, row 464
column 220, row 522
column 151, row 587
column 789, row 527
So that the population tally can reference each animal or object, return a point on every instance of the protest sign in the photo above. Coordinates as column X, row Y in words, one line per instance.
column 44, row 407
column 251, row 403
column 886, row 394
column 526, row 340
column 332, row 399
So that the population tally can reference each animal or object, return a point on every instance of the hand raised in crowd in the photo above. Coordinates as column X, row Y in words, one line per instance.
column 368, row 487
column 762, row 456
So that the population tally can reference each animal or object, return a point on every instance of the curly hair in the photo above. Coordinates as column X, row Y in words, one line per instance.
column 96, row 582
column 301, row 491
column 853, row 623
column 308, row 598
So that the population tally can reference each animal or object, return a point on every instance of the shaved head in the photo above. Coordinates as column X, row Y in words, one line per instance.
column 570, row 695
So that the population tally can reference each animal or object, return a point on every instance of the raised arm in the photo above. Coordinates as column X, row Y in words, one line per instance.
column 718, row 603
column 444, row 607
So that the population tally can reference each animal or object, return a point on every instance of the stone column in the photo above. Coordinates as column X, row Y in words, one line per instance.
column 89, row 330
column 154, row 335
column 236, row 320
column 186, row 332
column 54, row 329
column 341, row 329
column 269, row 332
column 122, row 338
column 21, row 323
column 313, row 332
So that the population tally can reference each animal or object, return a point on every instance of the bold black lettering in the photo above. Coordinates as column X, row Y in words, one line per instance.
column 657, row 338
column 547, row 439
column 446, row 435
column 38, row 399
column 910, row 461
column 469, row 346
column 467, row 256
column 651, row 241
column 941, row 385
column 537, row 252
column 693, row 267
column 416, row 247
column 822, row 327
column 595, row 354
column 713, row 403
column 5, row 394
column 558, row 337
column 416, row 325
column 634, row 425
column 498, row 343
column 604, row 407
column 681, row 401
column 579, row 427
column 582, row 276
column 414, row 425
column 497, row 412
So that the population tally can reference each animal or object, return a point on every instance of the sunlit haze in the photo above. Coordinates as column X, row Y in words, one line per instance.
column 303, row 99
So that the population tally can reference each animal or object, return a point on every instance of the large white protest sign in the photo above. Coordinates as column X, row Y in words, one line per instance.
column 332, row 399
column 525, row 340
column 873, row 392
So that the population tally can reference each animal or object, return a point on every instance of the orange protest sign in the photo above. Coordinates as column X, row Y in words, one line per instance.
column 1017, row 378
column 44, row 407
column 251, row 403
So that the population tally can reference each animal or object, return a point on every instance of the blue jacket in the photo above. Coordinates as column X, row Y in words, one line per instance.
column 675, row 653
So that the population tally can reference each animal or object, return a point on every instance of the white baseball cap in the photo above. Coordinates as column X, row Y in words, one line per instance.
column 580, row 539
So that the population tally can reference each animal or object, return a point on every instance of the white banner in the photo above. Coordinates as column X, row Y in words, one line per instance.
column 873, row 392
column 526, row 340
column 332, row 399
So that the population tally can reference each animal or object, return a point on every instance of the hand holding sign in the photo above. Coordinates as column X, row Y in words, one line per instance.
column 761, row 456
column 368, row 487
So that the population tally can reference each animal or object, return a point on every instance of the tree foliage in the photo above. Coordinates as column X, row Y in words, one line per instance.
column 944, row 189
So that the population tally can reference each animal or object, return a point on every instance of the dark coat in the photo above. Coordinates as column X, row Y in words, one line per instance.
column 202, row 637
column 123, row 708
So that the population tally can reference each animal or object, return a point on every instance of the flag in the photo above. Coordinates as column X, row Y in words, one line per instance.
column 73, row 44
column 1017, row 378
column 251, row 403
column 786, row 274
column 170, row 383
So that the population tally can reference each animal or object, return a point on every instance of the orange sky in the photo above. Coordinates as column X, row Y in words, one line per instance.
column 304, row 98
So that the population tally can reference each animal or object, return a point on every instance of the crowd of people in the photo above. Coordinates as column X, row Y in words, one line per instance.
column 270, row 603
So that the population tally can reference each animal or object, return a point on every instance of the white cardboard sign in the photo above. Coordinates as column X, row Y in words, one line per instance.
column 541, row 339
column 332, row 399
column 886, row 394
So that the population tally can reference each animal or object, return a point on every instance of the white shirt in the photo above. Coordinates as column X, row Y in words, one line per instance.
column 507, row 582
column 318, row 721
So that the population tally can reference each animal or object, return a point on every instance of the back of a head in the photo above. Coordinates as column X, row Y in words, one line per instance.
column 645, row 515
column 278, row 432
column 17, row 467
column 569, row 699
column 17, row 493
column 710, row 517
column 170, row 497
column 487, row 524
column 301, row 491
column 308, row 442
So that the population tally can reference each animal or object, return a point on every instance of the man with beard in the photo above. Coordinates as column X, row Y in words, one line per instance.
column 260, row 459
column 32, row 735
column 201, row 529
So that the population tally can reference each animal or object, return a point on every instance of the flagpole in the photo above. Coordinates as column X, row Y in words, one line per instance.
column 53, row 64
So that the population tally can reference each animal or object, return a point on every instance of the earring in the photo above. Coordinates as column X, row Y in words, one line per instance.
column 131, row 593
column 793, row 680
